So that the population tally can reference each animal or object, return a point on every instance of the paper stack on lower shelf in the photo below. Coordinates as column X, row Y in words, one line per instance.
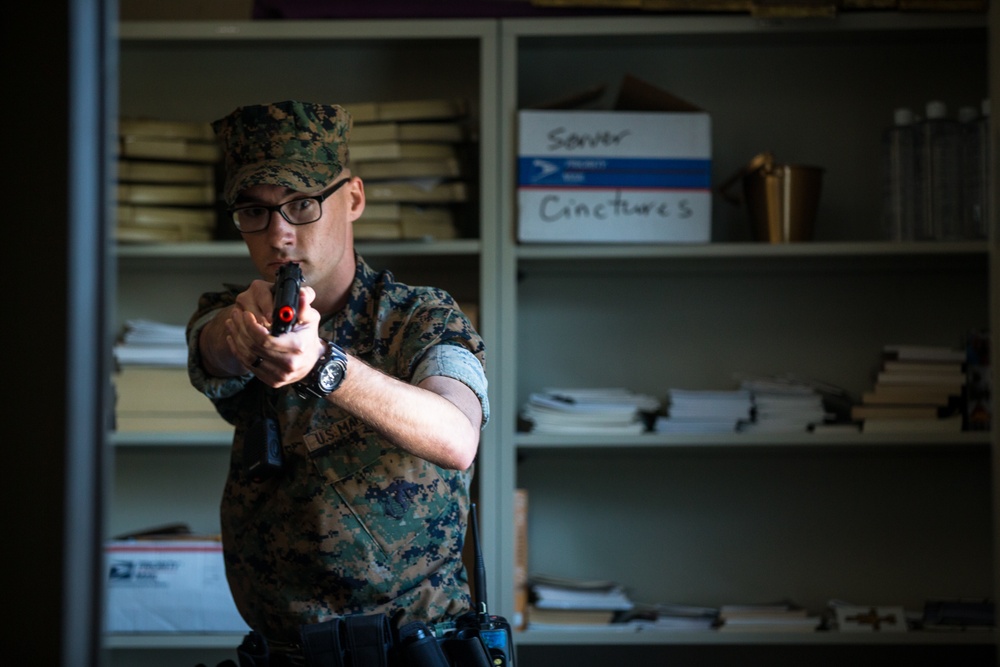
column 563, row 603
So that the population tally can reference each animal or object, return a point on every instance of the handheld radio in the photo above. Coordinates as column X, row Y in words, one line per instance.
column 494, row 630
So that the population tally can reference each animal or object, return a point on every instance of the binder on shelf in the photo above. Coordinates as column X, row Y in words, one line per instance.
column 363, row 133
column 407, row 110
column 416, row 192
column 400, row 150
column 388, row 170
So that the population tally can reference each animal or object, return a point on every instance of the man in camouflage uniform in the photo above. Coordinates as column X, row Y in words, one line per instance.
column 367, row 513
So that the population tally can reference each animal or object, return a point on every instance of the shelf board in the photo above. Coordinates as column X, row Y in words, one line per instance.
column 171, row 640
column 528, row 441
column 599, row 635
column 237, row 249
column 841, row 249
column 596, row 636
column 172, row 439
column 813, row 257
column 585, row 28
column 298, row 30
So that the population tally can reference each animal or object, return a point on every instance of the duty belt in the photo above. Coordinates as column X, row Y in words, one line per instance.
column 358, row 640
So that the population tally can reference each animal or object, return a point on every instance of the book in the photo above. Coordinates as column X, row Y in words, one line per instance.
column 374, row 230
column 398, row 212
column 416, row 191
column 400, row 150
column 150, row 171
column 913, row 426
column 540, row 616
column 909, row 394
column 940, row 380
column 165, row 216
column 146, row 234
column 416, row 228
column 165, row 129
column 184, row 150
column 403, row 169
column 407, row 110
column 377, row 230
column 173, row 195
column 900, row 366
column 362, row 133
column 861, row 412
column 923, row 353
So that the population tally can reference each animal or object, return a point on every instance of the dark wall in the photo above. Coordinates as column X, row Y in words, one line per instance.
column 54, row 339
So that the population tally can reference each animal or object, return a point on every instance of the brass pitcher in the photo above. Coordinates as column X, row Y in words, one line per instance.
column 781, row 199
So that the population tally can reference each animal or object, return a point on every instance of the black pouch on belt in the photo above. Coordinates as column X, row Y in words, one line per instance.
column 349, row 641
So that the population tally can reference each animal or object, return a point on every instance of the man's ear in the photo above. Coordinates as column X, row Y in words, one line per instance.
column 357, row 198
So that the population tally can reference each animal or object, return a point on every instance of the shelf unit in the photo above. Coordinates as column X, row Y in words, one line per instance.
column 700, row 520
column 748, row 517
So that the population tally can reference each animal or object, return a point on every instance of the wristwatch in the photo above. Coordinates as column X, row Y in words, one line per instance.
column 326, row 375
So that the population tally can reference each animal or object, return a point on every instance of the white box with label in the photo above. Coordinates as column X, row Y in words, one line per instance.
column 168, row 586
column 614, row 176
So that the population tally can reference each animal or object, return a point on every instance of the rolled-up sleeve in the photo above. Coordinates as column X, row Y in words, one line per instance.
column 458, row 363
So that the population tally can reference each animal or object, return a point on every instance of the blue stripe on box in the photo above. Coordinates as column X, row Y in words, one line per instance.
column 596, row 172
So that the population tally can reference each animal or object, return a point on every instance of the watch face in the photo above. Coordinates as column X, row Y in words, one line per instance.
column 330, row 376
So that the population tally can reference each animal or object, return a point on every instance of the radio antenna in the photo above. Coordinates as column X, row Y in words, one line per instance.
column 480, row 567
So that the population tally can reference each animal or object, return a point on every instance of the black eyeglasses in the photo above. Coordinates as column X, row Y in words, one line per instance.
column 301, row 211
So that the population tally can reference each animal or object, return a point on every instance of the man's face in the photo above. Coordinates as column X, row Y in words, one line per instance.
column 324, row 249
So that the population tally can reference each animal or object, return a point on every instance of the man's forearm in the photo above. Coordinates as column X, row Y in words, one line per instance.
column 438, row 421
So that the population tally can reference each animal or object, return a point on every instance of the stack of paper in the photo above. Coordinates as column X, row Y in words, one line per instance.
column 582, row 411
column 705, row 411
column 560, row 602
column 778, row 617
column 149, row 343
column 782, row 405
column 673, row 617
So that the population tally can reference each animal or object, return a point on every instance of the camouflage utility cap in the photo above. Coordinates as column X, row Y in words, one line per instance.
column 297, row 145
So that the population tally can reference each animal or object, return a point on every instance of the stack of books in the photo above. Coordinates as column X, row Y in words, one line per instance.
column 152, row 389
column 558, row 602
column 705, row 411
column 602, row 411
column 918, row 389
column 166, row 181
column 410, row 155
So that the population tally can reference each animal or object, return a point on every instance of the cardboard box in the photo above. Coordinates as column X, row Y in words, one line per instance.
column 168, row 586
column 640, row 173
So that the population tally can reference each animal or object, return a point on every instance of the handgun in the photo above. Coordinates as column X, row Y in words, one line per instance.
column 287, row 285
